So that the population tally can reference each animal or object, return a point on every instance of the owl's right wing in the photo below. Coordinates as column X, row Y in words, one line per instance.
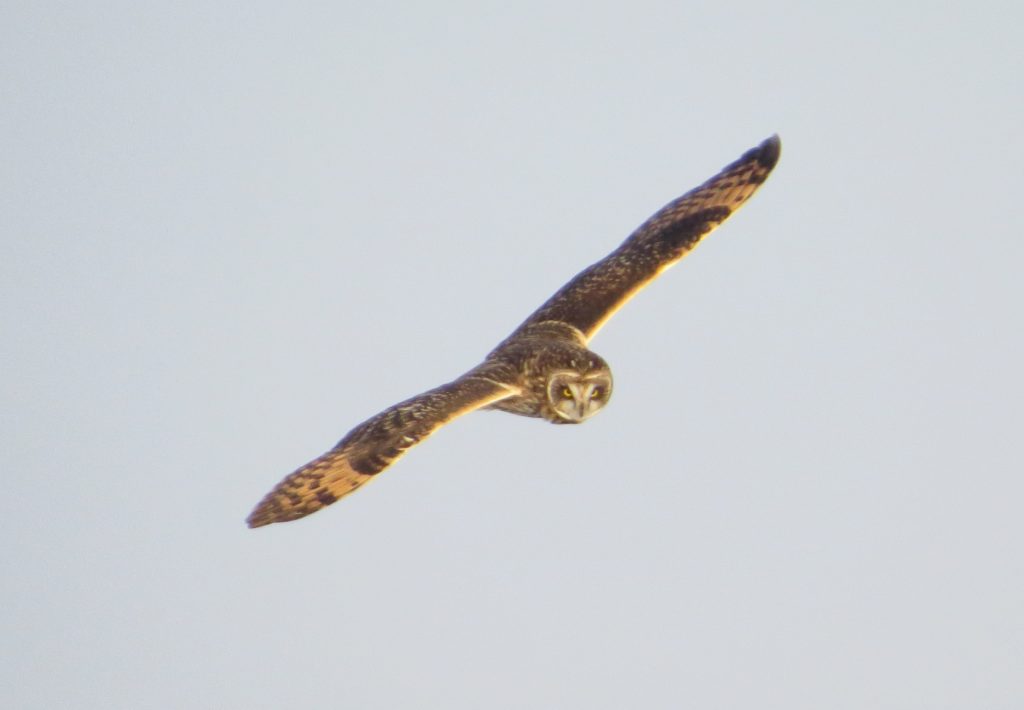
column 596, row 293
column 376, row 444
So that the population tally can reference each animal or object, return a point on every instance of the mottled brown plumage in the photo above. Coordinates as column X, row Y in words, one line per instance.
column 376, row 444
column 544, row 368
column 596, row 293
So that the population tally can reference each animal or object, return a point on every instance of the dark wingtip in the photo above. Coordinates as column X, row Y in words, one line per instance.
column 768, row 152
column 260, row 517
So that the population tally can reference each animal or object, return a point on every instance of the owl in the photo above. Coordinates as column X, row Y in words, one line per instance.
column 545, row 368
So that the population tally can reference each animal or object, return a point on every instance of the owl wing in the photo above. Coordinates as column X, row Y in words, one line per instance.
column 597, row 292
column 375, row 444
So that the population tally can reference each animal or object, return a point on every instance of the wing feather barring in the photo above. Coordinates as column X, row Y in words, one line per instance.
column 544, row 368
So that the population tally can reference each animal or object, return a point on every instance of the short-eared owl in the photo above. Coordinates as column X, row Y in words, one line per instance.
column 543, row 369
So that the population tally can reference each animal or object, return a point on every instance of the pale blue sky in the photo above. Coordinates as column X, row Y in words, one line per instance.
column 232, row 231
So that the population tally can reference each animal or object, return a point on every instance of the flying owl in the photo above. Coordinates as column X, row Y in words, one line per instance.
column 544, row 368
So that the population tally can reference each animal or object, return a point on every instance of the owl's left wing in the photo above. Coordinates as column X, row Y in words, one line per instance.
column 375, row 444
column 597, row 292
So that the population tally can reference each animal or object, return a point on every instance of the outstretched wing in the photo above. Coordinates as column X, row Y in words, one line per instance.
column 597, row 292
column 374, row 445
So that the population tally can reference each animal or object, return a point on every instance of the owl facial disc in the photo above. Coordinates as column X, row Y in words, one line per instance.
column 575, row 397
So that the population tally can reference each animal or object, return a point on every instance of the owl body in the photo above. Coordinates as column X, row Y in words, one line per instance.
column 544, row 368
column 560, row 379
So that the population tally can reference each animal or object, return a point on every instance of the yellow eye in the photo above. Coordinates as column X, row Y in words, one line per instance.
column 596, row 393
column 566, row 393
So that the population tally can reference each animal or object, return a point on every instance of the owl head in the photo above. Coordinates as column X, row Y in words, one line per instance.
column 575, row 395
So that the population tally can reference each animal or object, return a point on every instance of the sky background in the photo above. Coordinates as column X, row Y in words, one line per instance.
column 233, row 231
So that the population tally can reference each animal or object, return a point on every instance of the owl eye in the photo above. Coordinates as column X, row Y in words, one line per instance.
column 596, row 393
column 566, row 393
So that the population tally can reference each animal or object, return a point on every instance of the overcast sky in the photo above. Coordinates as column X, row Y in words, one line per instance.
column 232, row 231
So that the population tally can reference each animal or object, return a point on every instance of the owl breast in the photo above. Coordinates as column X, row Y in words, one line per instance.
column 561, row 380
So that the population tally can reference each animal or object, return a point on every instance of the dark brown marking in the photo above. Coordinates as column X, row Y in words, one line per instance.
column 367, row 465
column 685, row 233
column 326, row 497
